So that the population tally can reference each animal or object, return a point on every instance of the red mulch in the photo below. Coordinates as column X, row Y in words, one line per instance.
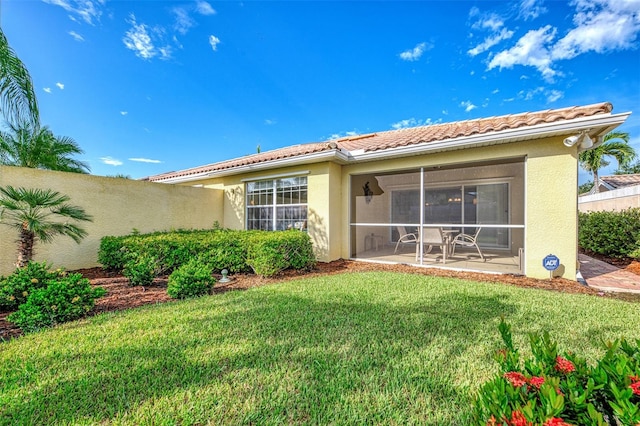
column 121, row 296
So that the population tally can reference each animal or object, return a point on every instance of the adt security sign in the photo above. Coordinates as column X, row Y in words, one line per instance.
column 551, row 262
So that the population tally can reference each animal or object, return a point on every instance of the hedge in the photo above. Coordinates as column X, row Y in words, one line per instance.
column 266, row 253
column 611, row 233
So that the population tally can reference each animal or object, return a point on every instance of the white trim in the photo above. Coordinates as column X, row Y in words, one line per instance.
column 279, row 175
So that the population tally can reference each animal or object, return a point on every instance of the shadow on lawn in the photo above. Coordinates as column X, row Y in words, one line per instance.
column 286, row 358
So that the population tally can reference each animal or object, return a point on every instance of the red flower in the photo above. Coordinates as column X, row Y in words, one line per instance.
column 516, row 379
column 554, row 421
column 536, row 381
column 518, row 419
column 564, row 365
column 635, row 387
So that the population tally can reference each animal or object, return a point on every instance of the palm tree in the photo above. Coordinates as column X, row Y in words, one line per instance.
column 616, row 145
column 28, row 145
column 17, row 95
column 33, row 212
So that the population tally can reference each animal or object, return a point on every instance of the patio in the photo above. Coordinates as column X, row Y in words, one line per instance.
column 452, row 205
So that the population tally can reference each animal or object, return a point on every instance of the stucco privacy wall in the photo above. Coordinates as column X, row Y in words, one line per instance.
column 550, row 203
column 118, row 206
column 324, row 201
column 614, row 200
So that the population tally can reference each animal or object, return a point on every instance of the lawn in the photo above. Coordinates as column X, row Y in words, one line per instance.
column 372, row 347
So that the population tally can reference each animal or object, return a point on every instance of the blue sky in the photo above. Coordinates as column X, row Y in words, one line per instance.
column 147, row 87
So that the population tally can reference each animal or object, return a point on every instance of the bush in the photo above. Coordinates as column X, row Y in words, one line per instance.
column 112, row 253
column 613, row 234
column 190, row 280
column 220, row 249
column 553, row 389
column 15, row 288
column 141, row 270
column 272, row 252
column 63, row 299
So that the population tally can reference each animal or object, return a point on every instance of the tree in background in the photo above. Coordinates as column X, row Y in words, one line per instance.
column 616, row 145
column 17, row 95
column 585, row 187
column 39, row 214
column 628, row 169
column 36, row 147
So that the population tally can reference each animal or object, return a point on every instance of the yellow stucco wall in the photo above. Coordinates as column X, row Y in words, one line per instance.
column 117, row 206
column 324, row 201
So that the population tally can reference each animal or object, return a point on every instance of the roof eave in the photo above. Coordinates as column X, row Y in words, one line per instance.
column 334, row 155
column 597, row 125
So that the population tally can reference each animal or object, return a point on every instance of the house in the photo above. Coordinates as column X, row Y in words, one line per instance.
column 513, row 178
column 616, row 192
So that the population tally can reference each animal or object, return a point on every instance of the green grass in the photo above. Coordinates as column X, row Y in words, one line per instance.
column 358, row 348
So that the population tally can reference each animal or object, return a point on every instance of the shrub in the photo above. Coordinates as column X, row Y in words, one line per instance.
column 15, row 288
column 561, row 389
column 191, row 279
column 112, row 253
column 220, row 249
column 63, row 299
column 141, row 270
column 271, row 252
column 613, row 234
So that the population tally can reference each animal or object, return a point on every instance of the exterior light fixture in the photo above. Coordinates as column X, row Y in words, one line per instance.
column 583, row 139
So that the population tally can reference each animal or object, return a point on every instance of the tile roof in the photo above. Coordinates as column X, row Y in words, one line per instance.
column 402, row 137
column 620, row 181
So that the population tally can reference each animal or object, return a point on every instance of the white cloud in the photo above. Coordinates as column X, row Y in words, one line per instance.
column 551, row 95
column 47, row 89
column 412, row 122
column 468, row 106
column 87, row 10
column 183, row 20
column 76, row 36
column 145, row 160
column 138, row 40
column 531, row 9
column 204, row 8
column 445, row 112
column 530, row 50
column 489, row 21
column 415, row 53
column 600, row 26
column 124, row 112
column 269, row 122
column 554, row 95
column 111, row 161
column 491, row 41
column 143, row 40
column 214, row 41
column 495, row 91
column 60, row 86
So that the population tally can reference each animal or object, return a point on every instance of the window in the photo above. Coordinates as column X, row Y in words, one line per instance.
column 277, row 204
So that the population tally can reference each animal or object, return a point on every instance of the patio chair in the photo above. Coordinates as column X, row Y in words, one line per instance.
column 405, row 237
column 433, row 237
column 468, row 241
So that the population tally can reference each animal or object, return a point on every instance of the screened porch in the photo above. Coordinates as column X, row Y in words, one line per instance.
column 468, row 217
